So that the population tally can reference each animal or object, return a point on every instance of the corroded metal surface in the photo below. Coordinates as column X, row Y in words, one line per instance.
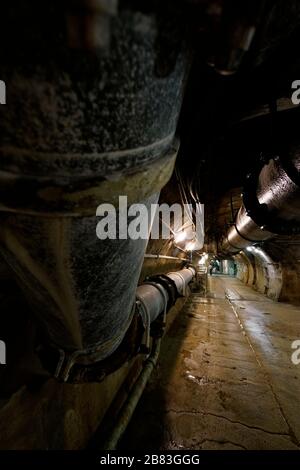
column 75, row 196
column 88, row 114
column 92, row 125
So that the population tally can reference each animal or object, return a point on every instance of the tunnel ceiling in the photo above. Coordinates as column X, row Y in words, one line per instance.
column 228, row 121
column 237, row 102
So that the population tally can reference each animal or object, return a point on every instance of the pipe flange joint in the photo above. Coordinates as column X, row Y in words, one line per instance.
column 167, row 284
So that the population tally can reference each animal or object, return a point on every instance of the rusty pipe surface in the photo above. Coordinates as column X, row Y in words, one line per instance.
column 91, row 127
column 271, row 205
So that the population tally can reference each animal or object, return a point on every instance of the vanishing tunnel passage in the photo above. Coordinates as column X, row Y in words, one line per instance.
column 225, row 378
column 149, row 225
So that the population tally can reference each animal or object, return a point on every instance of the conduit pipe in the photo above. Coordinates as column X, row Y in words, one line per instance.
column 91, row 127
column 155, row 295
column 155, row 300
column 271, row 205
column 133, row 398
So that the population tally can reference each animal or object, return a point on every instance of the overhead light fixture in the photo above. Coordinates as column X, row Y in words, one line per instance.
column 179, row 236
column 190, row 246
column 203, row 258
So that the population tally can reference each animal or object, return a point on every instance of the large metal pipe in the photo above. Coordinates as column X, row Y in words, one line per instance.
column 154, row 296
column 182, row 278
column 271, row 205
column 154, row 299
column 90, row 126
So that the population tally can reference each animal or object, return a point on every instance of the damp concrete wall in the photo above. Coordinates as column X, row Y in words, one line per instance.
column 259, row 271
column 273, row 271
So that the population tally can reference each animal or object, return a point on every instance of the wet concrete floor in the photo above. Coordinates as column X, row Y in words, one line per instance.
column 225, row 378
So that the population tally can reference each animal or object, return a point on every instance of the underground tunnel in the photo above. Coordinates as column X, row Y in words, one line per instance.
column 150, row 226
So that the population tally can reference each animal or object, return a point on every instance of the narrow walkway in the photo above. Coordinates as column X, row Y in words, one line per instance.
column 225, row 379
